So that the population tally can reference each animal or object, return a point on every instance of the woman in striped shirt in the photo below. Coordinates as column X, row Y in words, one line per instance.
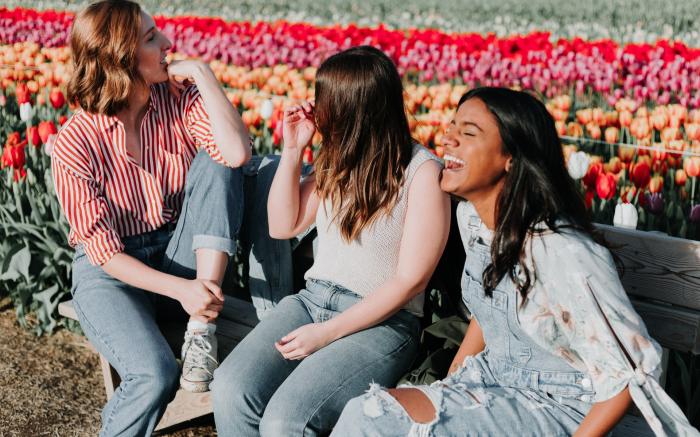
column 146, row 173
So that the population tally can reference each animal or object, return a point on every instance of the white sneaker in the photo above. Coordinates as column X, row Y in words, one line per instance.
column 199, row 360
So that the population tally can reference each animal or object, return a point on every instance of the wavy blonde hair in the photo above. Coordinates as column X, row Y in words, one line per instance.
column 367, row 143
column 103, row 42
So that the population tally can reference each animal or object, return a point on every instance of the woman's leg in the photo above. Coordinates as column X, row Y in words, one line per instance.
column 310, row 401
column 250, row 375
column 203, row 241
column 119, row 321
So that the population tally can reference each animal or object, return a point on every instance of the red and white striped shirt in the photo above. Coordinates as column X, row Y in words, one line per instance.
column 105, row 194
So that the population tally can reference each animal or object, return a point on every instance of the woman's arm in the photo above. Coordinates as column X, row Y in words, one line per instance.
column 229, row 131
column 426, row 228
column 202, row 299
column 472, row 344
column 603, row 416
column 292, row 205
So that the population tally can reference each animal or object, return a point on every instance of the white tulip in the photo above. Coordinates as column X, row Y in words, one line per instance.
column 266, row 109
column 625, row 216
column 25, row 112
column 578, row 165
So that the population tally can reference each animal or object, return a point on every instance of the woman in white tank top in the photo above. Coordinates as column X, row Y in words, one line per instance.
column 382, row 224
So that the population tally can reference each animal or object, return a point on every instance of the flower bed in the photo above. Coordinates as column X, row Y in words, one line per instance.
column 627, row 114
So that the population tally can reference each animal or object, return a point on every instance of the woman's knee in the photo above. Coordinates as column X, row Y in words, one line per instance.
column 158, row 379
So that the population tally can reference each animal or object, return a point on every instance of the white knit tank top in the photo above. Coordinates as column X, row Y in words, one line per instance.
column 371, row 259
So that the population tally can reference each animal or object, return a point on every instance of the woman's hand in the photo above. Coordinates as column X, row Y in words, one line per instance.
column 299, row 127
column 201, row 298
column 182, row 74
column 304, row 341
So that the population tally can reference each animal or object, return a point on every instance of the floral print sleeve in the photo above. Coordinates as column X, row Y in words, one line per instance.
column 580, row 312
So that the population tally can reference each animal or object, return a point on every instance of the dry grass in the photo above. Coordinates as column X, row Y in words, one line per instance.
column 52, row 385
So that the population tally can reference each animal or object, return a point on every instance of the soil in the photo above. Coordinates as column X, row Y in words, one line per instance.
column 52, row 385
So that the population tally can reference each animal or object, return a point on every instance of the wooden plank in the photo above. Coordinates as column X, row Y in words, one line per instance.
column 66, row 310
column 657, row 266
column 186, row 406
column 673, row 327
column 632, row 426
column 110, row 376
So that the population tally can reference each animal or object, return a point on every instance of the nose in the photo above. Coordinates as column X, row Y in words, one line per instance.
column 167, row 45
column 448, row 138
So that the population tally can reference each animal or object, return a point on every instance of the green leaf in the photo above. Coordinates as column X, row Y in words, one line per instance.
column 19, row 265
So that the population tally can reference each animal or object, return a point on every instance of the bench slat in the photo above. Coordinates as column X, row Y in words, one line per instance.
column 659, row 267
column 673, row 327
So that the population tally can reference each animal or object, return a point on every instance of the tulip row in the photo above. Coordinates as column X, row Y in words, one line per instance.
column 622, row 20
column 662, row 72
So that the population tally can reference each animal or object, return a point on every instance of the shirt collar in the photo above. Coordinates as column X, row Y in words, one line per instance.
column 107, row 122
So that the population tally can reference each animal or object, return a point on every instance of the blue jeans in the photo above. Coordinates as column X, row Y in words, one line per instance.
column 121, row 321
column 270, row 272
column 258, row 392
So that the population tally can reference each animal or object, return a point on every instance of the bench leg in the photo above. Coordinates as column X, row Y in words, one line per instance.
column 111, row 377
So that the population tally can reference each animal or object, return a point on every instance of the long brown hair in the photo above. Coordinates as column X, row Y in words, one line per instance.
column 367, row 143
column 103, row 43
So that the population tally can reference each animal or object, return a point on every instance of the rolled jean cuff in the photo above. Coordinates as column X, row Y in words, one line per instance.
column 215, row 243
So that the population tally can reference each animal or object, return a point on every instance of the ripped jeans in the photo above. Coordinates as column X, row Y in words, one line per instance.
column 469, row 402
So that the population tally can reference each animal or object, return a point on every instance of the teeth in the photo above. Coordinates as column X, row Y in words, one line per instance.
column 454, row 159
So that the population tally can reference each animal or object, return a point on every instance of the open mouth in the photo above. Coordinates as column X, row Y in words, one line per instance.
column 452, row 162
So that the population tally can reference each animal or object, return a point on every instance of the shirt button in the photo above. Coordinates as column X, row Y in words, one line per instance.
column 586, row 383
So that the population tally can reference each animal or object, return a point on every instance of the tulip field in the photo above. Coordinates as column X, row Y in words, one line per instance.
column 627, row 110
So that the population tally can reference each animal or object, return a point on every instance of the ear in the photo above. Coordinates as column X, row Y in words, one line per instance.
column 509, row 164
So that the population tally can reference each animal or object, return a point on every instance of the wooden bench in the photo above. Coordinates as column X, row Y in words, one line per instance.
column 662, row 278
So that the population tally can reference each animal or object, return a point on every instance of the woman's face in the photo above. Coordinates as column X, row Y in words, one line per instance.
column 152, row 49
column 475, row 164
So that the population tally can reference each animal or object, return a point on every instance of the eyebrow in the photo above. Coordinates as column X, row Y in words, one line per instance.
column 470, row 123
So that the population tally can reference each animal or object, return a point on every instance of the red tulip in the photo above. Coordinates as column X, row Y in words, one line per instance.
column 14, row 157
column 56, row 98
column 46, row 128
column 308, row 156
column 33, row 136
column 606, row 186
column 22, row 93
column 62, row 120
column 640, row 174
column 589, row 180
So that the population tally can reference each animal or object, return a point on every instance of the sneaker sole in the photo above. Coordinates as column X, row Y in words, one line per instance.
column 194, row 387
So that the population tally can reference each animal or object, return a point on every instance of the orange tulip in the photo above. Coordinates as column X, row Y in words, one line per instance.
column 584, row 116
column 625, row 153
column 615, row 166
column 681, row 177
column 625, row 118
column 659, row 120
column 574, row 129
column 612, row 135
column 656, row 184
column 593, row 131
column 691, row 165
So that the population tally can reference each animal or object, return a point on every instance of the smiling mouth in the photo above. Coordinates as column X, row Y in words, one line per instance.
column 452, row 162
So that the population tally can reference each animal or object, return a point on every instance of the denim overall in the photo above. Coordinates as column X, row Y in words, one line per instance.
column 513, row 387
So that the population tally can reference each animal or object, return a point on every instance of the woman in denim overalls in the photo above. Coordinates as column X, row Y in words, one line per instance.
column 554, row 346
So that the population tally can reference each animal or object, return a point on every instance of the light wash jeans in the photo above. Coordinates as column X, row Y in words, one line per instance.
column 513, row 387
column 258, row 392
column 121, row 321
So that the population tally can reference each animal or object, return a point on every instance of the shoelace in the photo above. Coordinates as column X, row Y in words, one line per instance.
column 197, row 352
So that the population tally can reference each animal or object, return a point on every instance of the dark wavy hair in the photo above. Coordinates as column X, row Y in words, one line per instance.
column 537, row 189
column 366, row 141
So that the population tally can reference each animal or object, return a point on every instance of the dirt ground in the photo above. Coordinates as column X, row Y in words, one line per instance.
column 52, row 385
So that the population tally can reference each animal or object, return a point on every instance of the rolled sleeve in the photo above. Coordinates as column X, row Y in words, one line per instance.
column 87, row 213
column 199, row 126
